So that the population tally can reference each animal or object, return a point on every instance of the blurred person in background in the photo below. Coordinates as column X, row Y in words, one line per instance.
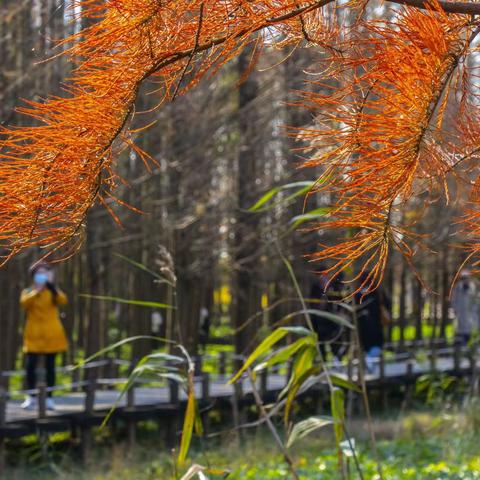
column 43, row 335
column 372, row 308
column 465, row 303
column 204, row 327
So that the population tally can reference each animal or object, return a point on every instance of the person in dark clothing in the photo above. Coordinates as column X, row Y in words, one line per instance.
column 325, row 297
column 369, row 319
column 204, row 327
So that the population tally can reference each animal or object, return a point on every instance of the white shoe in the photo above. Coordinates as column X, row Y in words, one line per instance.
column 30, row 403
column 337, row 363
column 50, row 404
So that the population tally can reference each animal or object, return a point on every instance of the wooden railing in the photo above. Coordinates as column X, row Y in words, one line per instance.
column 92, row 396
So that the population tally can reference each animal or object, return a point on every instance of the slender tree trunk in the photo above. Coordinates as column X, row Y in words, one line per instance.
column 434, row 300
column 417, row 308
column 247, row 300
column 95, row 268
column 445, row 292
column 402, row 319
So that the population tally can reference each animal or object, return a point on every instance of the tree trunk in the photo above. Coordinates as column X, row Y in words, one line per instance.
column 402, row 318
column 445, row 292
column 247, row 289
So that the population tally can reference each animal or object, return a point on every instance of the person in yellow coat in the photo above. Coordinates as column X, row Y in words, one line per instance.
column 44, row 333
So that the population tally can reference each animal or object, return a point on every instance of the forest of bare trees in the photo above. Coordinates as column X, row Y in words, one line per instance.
column 217, row 150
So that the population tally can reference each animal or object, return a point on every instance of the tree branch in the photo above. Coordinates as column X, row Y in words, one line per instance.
column 471, row 8
column 467, row 8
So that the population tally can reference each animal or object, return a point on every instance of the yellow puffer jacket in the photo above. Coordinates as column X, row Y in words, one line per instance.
column 44, row 331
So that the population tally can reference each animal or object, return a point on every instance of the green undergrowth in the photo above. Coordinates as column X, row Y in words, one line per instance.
column 409, row 333
column 421, row 446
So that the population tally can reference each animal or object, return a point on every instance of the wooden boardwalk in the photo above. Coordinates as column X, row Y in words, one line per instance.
column 144, row 397
column 84, row 404
column 398, row 369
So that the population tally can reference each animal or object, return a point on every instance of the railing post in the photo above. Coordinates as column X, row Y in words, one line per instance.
column 198, row 365
column 3, row 420
column 238, row 386
column 236, row 408
column 457, row 362
column 4, row 381
column 3, row 407
column 206, row 400
column 433, row 359
column 264, row 382
column 42, row 400
column 381, row 366
column 131, row 396
column 222, row 363
column 206, row 386
column 473, row 369
column 75, row 379
column 111, row 367
column 172, row 423
column 173, row 387
column 381, row 379
column 89, row 407
column 42, row 414
column 409, row 368
column 131, row 425
column 90, row 397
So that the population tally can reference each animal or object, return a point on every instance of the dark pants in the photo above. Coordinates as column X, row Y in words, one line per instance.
column 31, row 363
column 462, row 339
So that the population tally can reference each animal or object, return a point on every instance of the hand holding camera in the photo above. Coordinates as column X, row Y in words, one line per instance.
column 51, row 286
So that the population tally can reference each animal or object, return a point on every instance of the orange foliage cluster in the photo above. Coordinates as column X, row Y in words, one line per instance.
column 380, row 134
column 54, row 171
